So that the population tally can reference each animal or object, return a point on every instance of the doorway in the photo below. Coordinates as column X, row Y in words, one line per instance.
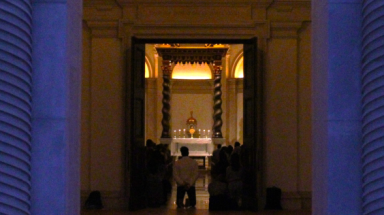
column 135, row 120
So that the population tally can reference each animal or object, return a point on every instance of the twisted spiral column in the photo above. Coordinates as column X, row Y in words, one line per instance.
column 15, row 106
column 166, row 99
column 373, row 107
column 217, row 111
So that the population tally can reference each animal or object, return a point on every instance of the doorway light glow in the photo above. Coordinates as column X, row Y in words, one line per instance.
column 191, row 71
column 146, row 70
column 239, row 71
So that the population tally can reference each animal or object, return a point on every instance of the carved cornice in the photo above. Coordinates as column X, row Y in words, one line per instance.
column 192, row 55
column 194, row 2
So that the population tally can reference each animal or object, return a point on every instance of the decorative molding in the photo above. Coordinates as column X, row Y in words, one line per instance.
column 196, row 14
column 103, row 28
column 285, row 29
column 180, row 86
column 192, row 55
column 263, row 3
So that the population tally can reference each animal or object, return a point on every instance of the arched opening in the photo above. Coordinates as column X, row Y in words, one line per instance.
column 239, row 68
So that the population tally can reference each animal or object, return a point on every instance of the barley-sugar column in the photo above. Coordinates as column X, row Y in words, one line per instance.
column 217, row 102
column 167, row 69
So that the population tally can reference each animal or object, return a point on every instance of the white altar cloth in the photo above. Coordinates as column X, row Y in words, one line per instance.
column 196, row 146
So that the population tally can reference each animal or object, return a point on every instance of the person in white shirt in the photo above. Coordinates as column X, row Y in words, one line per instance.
column 185, row 173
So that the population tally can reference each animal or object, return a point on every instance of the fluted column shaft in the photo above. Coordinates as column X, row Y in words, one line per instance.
column 15, row 106
column 373, row 107
column 217, row 102
column 166, row 98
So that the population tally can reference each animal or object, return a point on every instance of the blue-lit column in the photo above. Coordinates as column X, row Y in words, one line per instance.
column 373, row 107
column 56, row 60
column 336, row 99
column 15, row 106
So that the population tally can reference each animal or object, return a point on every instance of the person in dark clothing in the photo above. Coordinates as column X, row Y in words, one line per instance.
column 234, row 177
column 221, row 166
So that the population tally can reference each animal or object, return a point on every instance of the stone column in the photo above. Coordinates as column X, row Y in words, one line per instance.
column 336, row 97
column 373, row 107
column 167, row 70
column 217, row 111
column 15, row 106
column 56, row 59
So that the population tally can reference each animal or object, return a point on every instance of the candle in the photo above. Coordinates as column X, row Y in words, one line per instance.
column 208, row 133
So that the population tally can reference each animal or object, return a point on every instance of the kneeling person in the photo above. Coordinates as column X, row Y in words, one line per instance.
column 185, row 173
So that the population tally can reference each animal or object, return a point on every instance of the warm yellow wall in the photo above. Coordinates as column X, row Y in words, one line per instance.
column 200, row 104
column 305, row 109
column 283, row 31
column 281, row 113
column 102, row 114
column 86, row 111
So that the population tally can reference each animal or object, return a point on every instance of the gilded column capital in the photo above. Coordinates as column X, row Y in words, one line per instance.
column 167, row 68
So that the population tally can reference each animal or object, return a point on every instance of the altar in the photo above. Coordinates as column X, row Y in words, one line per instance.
column 196, row 146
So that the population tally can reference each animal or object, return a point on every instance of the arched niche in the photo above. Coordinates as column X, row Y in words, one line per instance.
column 148, row 69
column 238, row 66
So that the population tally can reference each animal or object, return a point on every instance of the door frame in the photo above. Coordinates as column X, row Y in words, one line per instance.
column 255, row 201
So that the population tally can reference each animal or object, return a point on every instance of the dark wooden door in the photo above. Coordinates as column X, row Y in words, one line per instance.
column 135, row 119
column 252, row 124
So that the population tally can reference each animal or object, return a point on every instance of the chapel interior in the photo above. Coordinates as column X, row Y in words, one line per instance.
column 283, row 57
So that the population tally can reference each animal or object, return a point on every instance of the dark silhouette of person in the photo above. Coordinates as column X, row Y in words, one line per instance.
column 215, row 154
column 221, row 167
column 237, row 148
column 185, row 173
column 234, row 177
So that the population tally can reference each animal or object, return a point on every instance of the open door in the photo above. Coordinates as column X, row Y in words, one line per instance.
column 252, row 135
column 135, row 132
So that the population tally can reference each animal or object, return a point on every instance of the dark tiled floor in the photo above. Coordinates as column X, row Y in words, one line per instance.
column 202, row 198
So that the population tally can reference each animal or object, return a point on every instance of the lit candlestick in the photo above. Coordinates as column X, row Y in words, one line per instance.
column 184, row 132
column 208, row 133
column 199, row 133
column 179, row 132
column 174, row 133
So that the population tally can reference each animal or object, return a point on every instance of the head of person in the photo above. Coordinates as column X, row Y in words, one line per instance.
column 184, row 151
column 219, row 146
column 150, row 143
column 237, row 144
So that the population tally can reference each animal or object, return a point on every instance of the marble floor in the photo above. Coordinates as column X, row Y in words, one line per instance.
column 202, row 198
